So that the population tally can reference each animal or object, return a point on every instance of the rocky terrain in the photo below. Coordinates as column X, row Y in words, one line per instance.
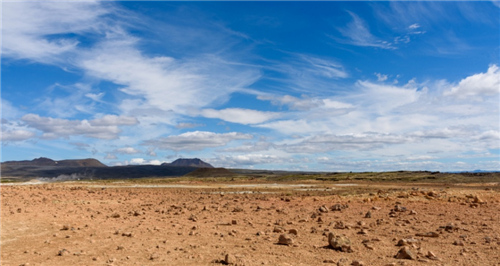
column 250, row 222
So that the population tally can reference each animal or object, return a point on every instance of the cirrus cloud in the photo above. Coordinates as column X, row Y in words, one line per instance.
column 196, row 140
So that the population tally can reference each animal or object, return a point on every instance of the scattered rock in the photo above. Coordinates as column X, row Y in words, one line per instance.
column 343, row 262
column 63, row 252
column 237, row 209
column 407, row 242
column 323, row 209
column 229, row 259
column 278, row 229
column 339, row 207
column 405, row 254
column 285, row 239
column 432, row 256
column 368, row 214
column 428, row 234
column 293, row 231
column 127, row 234
column 341, row 243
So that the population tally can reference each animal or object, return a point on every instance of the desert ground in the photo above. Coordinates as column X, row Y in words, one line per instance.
column 250, row 222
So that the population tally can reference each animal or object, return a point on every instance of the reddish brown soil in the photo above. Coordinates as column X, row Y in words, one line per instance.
column 83, row 224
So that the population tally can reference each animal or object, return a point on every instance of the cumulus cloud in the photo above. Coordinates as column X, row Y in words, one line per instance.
column 142, row 161
column 16, row 135
column 240, row 115
column 478, row 85
column 62, row 128
column 196, row 140
column 127, row 150
column 381, row 77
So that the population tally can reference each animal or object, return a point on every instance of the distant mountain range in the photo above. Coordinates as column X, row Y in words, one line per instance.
column 94, row 169
column 42, row 161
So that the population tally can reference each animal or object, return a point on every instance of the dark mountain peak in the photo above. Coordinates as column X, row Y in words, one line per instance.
column 43, row 161
column 90, row 162
column 194, row 162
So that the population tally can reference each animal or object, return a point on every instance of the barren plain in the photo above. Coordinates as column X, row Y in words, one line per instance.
column 250, row 221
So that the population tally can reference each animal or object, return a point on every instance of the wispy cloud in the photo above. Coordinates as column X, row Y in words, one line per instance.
column 196, row 140
column 28, row 26
column 239, row 115
column 107, row 127
column 357, row 33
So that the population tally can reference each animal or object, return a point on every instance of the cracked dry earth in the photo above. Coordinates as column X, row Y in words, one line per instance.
column 384, row 224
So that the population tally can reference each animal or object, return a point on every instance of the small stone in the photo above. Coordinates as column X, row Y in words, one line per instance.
column 285, row 239
column 406, row 254
column 432, row 256
column 341, row 243
column 234, row 222
column 458, row 243
column 428, row 234
column 127, row 234
column 229, row 259
column 407, row 242
column 63, row 252
column 478, row 200
column 115, row 215
column 363, row 232
column 293, row 231
column 323, row 209
column 343, row 262
column 368, row 214
column 358, row 263
column 328, row 261
column 278, row 229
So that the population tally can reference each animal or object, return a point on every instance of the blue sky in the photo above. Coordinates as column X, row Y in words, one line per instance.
column 323, row 86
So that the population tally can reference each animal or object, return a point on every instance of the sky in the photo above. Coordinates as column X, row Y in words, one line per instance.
column 310, row 86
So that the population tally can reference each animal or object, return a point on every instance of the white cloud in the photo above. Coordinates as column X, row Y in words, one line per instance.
column 239, row 115
column 16, row 135
column 381, row 77
column 196, row 140
column 27, row 26
column 188, row 125
column 142, row 161
column 478, row 85
column 62, row 128
column 110, row 156
column 127, row 150
column 294, row 103
column 250, row 160
column 357, row 33
column 95, row 96
column 331, row 142
column 414, row 26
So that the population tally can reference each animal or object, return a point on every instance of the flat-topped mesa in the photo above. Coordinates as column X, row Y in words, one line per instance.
column 43, row 161
column 81, row 163
column 195, row 162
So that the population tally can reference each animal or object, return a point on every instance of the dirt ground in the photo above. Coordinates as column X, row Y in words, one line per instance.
column 240, row 223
